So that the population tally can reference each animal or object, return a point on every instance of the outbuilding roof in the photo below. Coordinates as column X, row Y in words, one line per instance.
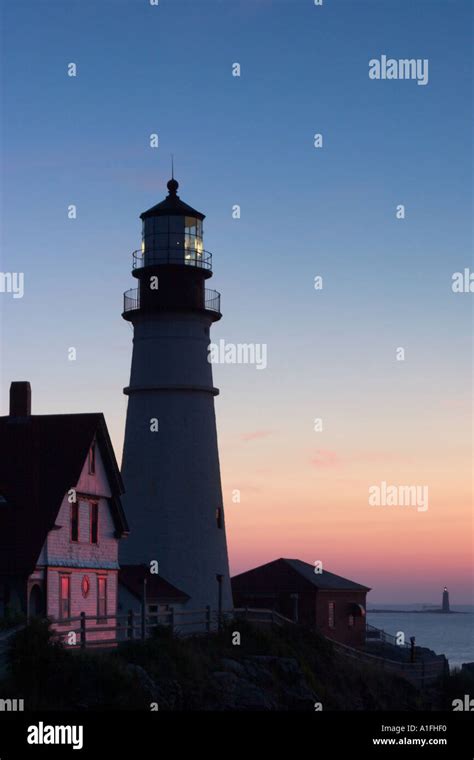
column 132, row 577
column 291, row 575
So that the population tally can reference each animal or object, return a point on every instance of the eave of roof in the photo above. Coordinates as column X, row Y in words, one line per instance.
column 172, row 206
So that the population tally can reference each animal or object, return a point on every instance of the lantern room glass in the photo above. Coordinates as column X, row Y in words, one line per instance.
column 172, row 239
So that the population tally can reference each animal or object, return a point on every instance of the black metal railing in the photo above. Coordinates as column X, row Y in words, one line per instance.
column 378, row 635
column 131, row 300
column 212, row 300
column 179, row 256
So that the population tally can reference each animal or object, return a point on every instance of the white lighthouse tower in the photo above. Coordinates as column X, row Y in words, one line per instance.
column 170, row 467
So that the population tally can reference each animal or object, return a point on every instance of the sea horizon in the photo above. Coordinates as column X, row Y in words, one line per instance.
column 451, row 635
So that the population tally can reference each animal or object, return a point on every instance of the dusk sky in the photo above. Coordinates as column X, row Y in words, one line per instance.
column 305, row 212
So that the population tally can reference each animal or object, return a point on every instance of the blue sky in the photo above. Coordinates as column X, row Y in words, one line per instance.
column 247, row 141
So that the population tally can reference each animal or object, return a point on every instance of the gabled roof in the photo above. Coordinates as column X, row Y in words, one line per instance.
column 291, row 575
column 132, row 576
column 41, row 458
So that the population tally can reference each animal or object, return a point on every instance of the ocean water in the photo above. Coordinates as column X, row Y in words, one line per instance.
column 452, row 635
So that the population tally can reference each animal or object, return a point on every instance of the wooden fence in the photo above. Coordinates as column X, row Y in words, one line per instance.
column 87, row 631
column 378, row 635
column 90, row 631
column 420, row 674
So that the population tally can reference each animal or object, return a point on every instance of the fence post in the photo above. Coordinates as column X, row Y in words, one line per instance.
column 208, row 618
column 130, row 625
column 220, row 579
column 144, row 610
column 83, row 630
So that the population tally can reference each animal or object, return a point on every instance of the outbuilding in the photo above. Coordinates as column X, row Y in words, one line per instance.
column 333, row 605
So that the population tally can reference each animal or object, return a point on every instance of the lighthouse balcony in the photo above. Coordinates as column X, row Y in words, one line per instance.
column 176, row 256
column 132, row 303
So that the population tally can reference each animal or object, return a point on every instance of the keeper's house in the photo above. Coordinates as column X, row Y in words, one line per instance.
column 333, row 605
column 61, row 517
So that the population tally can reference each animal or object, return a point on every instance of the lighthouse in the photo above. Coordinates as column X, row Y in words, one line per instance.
column 170, row 464
column 445, row 602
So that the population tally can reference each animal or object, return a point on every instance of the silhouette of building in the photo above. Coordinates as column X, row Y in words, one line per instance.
column 61, row 517
column 170, row 463
column 445, row 603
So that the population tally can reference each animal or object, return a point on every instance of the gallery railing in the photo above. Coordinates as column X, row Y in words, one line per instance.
column 178, row 256
column 212, row 300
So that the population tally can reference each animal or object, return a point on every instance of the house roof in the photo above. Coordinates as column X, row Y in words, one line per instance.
column 291, row 575
column 132, row 576
column 41, row 458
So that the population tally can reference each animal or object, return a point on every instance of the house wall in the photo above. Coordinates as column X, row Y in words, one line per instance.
column 313, row 610
column 302, row 609
column 81, row 603
column 342, row 632
column 62, row 555
column 60, row 550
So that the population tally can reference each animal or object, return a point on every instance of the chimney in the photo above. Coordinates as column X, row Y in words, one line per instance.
column 20, row 399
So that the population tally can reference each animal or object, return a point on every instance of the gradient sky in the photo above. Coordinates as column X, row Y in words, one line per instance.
column 305, row 212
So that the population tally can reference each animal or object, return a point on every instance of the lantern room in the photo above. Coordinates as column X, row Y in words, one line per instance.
column 172, row 234
column 172, row 255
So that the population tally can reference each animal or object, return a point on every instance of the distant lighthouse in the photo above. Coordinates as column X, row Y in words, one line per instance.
column 445, row 604
column 170, row 465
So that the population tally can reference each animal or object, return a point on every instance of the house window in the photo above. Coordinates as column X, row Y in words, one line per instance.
column 332, row 615
column 92, row 459
column 219, row 517
column 351, row 621
column 101, row 597
column 75, row 521
column 94, row 512
column 65, row 597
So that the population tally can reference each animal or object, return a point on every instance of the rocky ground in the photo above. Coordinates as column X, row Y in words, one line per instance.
column 253, row 683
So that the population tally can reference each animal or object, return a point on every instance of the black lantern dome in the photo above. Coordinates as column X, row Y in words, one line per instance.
column 172, row 265
column 172, row 232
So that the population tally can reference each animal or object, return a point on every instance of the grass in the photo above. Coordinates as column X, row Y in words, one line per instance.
column 11, row 620
column 182, row 672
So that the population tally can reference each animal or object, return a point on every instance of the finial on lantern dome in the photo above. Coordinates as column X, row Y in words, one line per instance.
column 172, row 184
